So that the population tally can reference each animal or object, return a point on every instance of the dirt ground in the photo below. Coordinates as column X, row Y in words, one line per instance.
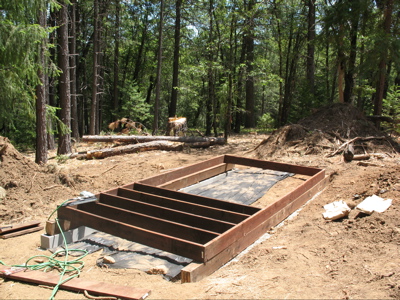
column 306, row 257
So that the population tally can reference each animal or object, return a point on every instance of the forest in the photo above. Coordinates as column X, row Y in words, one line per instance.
column 71, row 67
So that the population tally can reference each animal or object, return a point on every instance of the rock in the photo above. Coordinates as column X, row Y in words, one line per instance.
column 3, row 193
column 161, row 269
column 108, row 260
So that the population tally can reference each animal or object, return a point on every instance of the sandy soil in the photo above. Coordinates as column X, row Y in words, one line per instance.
column 304, row 258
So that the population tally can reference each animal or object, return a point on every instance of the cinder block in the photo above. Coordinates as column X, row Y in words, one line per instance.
column 71, row 236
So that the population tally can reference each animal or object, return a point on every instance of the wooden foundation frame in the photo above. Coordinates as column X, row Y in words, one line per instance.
column 207, row 230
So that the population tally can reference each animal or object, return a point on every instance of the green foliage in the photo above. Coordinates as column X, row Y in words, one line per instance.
column 54, row 124
column 62, row 159
column 391, row 107
column 266, row 122
column 134, row 104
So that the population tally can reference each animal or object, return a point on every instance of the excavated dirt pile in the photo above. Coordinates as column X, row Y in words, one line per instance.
column 325, row 132
column 28, row 191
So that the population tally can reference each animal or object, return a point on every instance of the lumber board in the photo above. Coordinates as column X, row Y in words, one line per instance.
column 220, row 243
column 146, row 222
column 12, row 228
column 150, row 238
column 21, row 232
column 196, row 271
column 265, row 164
column 180, row 172
column 79, row 285
column 212, row 212
column 157, row 211
column 216, row 203
column 196, row 177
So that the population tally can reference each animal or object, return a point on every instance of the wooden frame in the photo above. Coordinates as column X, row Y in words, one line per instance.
column 207, row 230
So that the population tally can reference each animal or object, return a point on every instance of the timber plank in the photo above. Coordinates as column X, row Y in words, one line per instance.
column 21, row 232
column 196, row 271
column 78, row 284
column 218, row 244
column 196, row 177
column 150, row 238
column 12, row 228
column 183, row 171
column 161, row 212
column 225, row 215
column 234, row 207
column 265, row 164
column 146, row 222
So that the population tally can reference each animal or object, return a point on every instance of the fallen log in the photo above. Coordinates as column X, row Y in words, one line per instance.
column 132, row 148
column 149, row 138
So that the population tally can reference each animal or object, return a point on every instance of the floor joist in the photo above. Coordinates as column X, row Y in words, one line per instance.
column 209, row 231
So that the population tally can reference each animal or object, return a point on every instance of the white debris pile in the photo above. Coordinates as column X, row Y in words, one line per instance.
column 339, row 209
column 374, row 203
column 336, row 210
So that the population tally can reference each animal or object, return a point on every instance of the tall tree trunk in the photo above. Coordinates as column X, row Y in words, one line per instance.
column 281, row 75
column 240, row 94
column 52, row 88
column 210, row 72
column 41, row 132
column 250, row 120
column 341, row 65
column 64, row 139
column 349, row 76
column 139, row 56
column 175, row 71
column 380, row 88
column 74, row 102
column 116, row 56
column 159, row 65
column 96, row 47
column 311, row 46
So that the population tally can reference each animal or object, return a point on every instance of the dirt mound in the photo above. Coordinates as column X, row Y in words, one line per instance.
column 24, row 184
column 325, row 131
column 341, row 119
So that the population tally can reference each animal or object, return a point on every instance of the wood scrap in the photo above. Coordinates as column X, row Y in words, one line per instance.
column 20, row 229
column 52, row 187
column 361, row 156
column 133, row 148
column 77, row 284
column 344, row 145
column 348, row 153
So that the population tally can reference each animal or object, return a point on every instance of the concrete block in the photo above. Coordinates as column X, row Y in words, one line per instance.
column 71, row 236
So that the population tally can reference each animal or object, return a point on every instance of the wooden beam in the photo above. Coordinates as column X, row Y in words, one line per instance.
column 196, row 177
column 204, row 210
column 132, row 233
column 165, row 213
column 234, row 207
column 77, row 284
column 181, row 172
column 21, row 232
column 19, row 229
column 196, row 271
column 264, row 164
column 147, row 222
column 218, row 244
column 16, row 227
